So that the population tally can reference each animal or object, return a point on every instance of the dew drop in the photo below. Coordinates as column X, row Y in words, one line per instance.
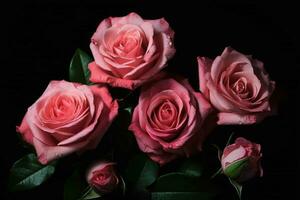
column 94, row 42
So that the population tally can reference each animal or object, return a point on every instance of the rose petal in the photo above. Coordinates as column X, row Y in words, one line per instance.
column 102, row 27
column 100, row 76
column 149, row 32
column 234, row 118
column 166, row 51
column 218, row 100
column 47, row 153
column 161, row 25
column 234, row 155
column 146, row 144
column 204, row 65
column 100, row 60
column 131, row 18
column 97, row 167
column 138, row 72
column 228, row 56
column 25, row 131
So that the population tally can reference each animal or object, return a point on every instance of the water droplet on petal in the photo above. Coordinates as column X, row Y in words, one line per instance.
column 94, row 42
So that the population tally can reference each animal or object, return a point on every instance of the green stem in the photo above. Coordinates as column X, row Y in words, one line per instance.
column 229, row 139
column 86, row 191
column 216, row 173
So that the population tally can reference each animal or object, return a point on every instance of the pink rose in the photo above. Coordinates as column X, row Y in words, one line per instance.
column 241, row 160
column 68, row 117
column 237, row 86
column 102, row 177
column 130, row 50
column 168, row 121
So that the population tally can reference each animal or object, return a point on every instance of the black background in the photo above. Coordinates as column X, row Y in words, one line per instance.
column 40, row 39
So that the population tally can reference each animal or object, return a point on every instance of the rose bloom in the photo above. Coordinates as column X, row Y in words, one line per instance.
column 130, row 50
column 241, row 160
column 102, row 177
column 68, row 117
column 169, row 120
column 237, row 86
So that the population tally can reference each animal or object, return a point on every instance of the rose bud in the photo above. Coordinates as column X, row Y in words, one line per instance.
column 102, row 177
column 241, row 160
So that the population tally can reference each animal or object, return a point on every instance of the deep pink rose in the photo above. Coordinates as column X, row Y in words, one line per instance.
column 241, row 160
column 168, row 121
column 130, row 50
column 237, row 86
column 102, row 177
column 68, row 117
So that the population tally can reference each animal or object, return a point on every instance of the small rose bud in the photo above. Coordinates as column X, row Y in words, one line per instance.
column 241, row 160
column 102, row 177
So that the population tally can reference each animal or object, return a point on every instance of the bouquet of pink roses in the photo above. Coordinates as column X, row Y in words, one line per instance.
column 128, row 129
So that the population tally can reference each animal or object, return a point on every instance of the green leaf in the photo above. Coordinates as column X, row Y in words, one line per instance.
column 28, row 173
column 90, row 194
column 180, row 182
column 235, row 169
column 129, row 110
column 220, row 171
column 229, row 139
column 192, row 166
column 125, row 145
column 78, row 70
column 123, row 186
column 218, row 150
column 75, row 186
column 238, row 187
column 181, row 196
column 142, row 171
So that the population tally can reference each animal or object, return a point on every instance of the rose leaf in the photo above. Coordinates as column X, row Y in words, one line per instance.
column 28, row 173
column 75, row 186
column 142, row 171
column 78, row 70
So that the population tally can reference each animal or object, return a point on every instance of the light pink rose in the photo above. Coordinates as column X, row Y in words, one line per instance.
column 169, row 120
column 68, row 117
column 241, row 160
column 237, row 86
column 102, row 177
column 130, row 50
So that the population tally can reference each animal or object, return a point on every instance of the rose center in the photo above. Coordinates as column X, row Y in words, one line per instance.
column 129, row 42
column 62, row 108
column 166, row 113
column 101, row 178
column 239, row 87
